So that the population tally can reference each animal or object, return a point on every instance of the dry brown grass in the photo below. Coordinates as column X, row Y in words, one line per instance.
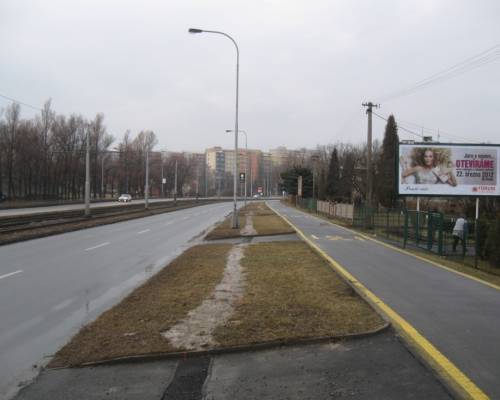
column 133, row 326
column 292, row 293
column 265, row 222
column 224, row 230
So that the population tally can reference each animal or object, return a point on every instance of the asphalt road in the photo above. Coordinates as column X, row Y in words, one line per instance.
column 459, row 316
column 77, row 206
column 50, row 287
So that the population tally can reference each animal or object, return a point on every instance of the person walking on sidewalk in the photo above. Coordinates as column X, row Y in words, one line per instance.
column 458, row 233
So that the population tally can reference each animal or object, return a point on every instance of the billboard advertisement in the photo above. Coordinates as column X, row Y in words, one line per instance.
column 436, row 169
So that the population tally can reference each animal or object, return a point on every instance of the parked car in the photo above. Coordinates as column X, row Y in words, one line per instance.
column 125, row 198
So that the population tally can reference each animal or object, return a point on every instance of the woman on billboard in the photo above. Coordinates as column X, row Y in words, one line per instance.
column 428, row 167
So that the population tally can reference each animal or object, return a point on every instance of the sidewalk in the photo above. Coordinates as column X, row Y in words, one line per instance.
column 378, row 367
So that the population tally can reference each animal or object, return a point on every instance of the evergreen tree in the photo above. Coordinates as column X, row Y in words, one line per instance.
column 385, row 182
column 290, row 178
column 347, row 176
column 333, row 180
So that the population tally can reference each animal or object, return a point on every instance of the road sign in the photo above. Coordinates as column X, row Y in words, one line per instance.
column 259, row 189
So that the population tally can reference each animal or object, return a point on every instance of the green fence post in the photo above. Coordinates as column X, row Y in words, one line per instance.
column 405, row 230
column 387, row 225
column 476, row 246
column 440, row 234
column 417, row 227
column 464, row 241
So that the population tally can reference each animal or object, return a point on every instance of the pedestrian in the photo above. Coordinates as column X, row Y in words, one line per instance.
column 458, row 232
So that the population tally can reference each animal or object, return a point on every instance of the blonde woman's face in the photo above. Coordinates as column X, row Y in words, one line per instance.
column 428, row 158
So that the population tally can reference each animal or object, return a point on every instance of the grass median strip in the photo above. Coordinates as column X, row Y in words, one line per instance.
column 264, row 221
column 286, row 292
column 293, row 294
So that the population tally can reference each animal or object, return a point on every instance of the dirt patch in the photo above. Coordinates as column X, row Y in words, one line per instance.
column 291, row 294
column 249, row 230
column 134, row 326
column 196, row 331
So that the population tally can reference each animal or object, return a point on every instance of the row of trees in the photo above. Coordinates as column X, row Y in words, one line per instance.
column 43, row 158
column 338, row 172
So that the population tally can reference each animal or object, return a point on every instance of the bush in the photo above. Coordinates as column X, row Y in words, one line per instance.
column 492, row 244
column 483, row 229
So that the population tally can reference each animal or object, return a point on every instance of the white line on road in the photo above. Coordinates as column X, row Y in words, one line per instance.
column 169, row 223
column 96, row 247
column 10, row 274
column 144, row 231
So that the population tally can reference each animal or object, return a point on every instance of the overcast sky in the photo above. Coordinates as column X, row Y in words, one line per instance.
column 305, row 67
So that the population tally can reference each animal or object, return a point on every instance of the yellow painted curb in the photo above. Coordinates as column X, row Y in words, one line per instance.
column 456, row 379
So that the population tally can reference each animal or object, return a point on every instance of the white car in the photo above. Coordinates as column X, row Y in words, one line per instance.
column 125, row 198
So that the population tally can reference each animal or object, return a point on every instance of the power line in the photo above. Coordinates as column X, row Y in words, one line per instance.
column 21, row 102
column 470, row 63
column 399, row 126
column 429, row 130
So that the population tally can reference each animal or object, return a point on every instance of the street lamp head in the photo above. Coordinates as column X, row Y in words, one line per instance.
column 229, row 130
column 194, row 30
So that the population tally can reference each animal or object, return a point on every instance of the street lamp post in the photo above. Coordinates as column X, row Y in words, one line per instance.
column 87, row 174
column 246, row 160
column 235, row 222
column 146, row 184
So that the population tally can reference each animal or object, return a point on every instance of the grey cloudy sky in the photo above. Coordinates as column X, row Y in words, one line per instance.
column 305, row 66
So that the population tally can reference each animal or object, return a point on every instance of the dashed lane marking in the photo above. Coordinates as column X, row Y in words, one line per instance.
column 10, row 274
column 144, row 231
column 96, row 247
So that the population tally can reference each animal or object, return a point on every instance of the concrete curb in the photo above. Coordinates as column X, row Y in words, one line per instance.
column 229, row 350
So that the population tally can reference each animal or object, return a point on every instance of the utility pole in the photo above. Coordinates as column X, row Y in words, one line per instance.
column 146, row 185
column 162, row 184
column 87, row 175
column 175, row 183
column 369, row 174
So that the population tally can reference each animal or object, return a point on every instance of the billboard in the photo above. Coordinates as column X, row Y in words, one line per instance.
column 436, row 169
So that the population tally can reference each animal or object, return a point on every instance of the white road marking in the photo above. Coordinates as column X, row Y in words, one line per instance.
column 169, row 223
column 144, row 231
column 185, row 218
column 96, row 247
column 314, row 237
column 63, row 304
column 10, row 274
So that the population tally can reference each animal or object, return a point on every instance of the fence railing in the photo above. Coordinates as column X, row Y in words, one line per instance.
column 431, row 231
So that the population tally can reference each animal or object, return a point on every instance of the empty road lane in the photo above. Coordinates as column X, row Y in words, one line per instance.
column 52, row 286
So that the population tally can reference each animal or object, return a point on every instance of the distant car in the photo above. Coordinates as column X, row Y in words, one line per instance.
column 2, row 197
column 125, row 198
column 256, row 196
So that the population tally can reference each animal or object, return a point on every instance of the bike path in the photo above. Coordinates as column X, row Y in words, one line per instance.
column 459, row 316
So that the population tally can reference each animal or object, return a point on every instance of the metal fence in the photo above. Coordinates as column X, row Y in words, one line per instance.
column 431, row 231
